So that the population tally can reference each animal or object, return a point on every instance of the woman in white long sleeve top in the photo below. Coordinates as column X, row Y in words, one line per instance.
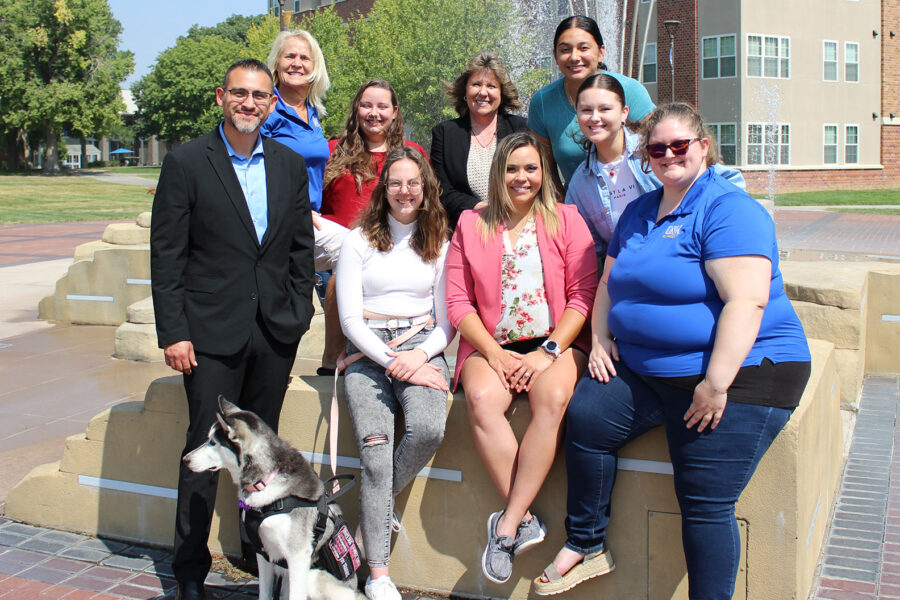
column 390, row 278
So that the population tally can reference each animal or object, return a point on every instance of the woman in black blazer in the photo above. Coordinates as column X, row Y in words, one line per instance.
column 462, row 149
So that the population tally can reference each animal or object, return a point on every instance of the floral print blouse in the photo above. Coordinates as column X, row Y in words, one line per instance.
column 524, row 311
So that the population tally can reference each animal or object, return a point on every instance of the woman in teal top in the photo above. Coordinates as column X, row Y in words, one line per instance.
column 578, row 50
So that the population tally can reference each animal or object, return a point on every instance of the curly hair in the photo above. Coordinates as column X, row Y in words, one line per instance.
column 499, row 203
column 351, row 155
column 484, row 61
column 318, row 79
column 432, row 230
column 684, row 113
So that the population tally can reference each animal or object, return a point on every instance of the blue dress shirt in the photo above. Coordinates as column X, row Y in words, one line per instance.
column 251, row 174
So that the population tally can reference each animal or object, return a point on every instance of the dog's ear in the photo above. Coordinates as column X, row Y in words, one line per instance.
column 226, row 407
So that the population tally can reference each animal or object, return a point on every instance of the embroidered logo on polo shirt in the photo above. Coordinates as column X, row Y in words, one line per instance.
column 672, row 231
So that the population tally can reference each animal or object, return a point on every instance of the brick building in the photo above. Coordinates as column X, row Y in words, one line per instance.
column 806, row 92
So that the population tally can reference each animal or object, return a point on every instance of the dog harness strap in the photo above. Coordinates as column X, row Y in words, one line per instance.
column 343, row 362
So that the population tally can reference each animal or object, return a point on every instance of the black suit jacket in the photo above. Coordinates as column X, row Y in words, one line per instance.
column 450, row 143
column 210, row 275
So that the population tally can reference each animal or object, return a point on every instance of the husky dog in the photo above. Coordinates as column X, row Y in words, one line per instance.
column 267, row 469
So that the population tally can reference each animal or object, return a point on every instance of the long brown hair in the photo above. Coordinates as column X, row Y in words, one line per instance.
column 684, row 113
column 351, row 155
column 431, row 231
column 499, row 204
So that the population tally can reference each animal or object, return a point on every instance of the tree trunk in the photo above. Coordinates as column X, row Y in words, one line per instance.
column 51, row 151
column 84, row 156
column 12, row 150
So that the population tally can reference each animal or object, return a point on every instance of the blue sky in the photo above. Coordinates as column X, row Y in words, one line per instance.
column 151, row 26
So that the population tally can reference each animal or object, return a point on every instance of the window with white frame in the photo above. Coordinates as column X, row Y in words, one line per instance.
column 726, row 139
column 768, row 143
column 650, row 63
column 768, row 56
column 829, row 61
column 851, row 144
column 296, row 6
column 274, row 8
column 851, row 61
column 830, row 144
column 718, row 56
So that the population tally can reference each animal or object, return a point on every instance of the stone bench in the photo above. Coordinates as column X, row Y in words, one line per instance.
column 118, row 480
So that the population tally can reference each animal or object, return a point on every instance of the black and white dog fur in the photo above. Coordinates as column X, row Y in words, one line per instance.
column 266, row 469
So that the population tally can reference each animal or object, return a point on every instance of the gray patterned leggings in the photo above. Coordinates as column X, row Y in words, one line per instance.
column 374, row 399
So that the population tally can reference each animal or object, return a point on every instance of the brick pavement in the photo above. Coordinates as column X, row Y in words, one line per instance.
column 29, row 243
column 861, row 559
column 40, row 564
column 835, row 232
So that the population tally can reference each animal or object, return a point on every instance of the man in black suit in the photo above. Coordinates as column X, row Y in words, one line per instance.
column 231, row 250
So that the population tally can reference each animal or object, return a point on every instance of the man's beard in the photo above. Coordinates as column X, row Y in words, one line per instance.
column 244, row 126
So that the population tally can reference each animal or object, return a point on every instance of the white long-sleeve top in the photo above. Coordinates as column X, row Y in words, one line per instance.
column 396, row 283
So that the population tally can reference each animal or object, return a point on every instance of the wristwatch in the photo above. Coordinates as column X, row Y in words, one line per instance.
column 551, row 348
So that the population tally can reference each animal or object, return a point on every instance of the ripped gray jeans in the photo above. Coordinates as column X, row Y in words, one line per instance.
column 374, row 399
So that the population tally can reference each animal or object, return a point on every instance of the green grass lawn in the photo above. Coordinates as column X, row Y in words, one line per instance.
column 26, row 199
column 837, row 197
column 868, row 211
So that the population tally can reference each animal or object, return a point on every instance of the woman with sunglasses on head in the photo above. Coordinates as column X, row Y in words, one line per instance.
column 613, row 175
column 374, row 128
column 390, row 276
column 520, row 283
column 719, row 359
column 578, row 50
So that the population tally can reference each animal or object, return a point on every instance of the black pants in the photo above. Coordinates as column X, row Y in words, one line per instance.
column 255, row 378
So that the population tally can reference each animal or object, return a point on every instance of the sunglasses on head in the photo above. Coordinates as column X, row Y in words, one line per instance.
column 678, row 147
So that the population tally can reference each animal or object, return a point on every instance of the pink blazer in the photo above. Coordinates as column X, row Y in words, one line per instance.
column 473, row 274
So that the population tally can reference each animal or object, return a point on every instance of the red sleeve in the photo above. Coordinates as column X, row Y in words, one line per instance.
column 419, row 148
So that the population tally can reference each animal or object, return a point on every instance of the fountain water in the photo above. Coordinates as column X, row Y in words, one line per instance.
column 768, row 96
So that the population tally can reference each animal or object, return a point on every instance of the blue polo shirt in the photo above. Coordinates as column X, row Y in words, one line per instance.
column 306, row 139
column 663, row 305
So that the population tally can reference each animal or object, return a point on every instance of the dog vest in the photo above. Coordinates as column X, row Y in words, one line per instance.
column 339, row 556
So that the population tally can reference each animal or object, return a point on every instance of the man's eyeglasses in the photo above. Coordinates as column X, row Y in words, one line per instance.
column 678, row 147
column 414, row 186
column 259, row 96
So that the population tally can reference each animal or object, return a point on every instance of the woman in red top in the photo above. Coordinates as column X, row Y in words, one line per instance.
column 374, row 128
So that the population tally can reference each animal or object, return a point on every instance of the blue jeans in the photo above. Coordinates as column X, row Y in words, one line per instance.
column 711, row 468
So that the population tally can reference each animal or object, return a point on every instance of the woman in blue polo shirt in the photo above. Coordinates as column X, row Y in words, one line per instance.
column 691, row 330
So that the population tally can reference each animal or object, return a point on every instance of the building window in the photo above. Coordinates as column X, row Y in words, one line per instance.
column 562, row 8
column 851, row 61
column 726, row 139
column 830, row 141
column 768, row 56
column 650, row 63
column 851, row 144
column 275, row 8
column 768, row 143
column 830, row 61
column 718, row 56
column 296, row 6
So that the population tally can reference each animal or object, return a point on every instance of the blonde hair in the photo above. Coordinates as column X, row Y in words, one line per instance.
column 499, row 203
column 484, row 61
column 318, row 79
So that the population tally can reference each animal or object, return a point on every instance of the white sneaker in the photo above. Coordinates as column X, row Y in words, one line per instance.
column 382, row 589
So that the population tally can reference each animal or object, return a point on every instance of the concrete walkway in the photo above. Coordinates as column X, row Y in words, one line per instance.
column 116, row 177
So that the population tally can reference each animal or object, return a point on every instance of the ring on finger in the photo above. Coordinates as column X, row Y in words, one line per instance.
column 527, row 374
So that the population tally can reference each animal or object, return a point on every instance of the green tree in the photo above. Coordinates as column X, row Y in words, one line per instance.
column 234, row 28
column 66, row 50
column 177, row 99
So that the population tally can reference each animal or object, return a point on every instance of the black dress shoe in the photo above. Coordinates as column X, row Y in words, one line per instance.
column 190, row 590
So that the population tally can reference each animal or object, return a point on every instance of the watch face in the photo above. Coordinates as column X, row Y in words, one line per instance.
column 551, row 347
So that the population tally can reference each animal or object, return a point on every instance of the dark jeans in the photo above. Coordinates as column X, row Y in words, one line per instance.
column 711, row 468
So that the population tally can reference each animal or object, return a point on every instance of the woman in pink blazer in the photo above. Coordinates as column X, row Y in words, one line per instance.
column 521, row 278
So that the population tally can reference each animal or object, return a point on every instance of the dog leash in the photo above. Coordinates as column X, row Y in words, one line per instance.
column 343, row 362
